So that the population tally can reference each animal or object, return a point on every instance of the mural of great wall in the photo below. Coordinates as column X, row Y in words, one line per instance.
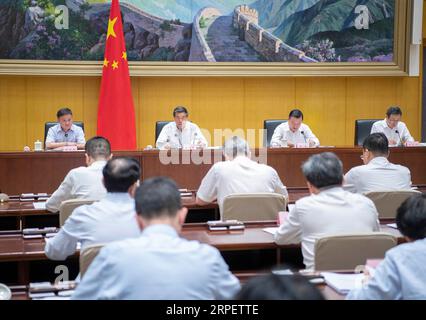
column 306, row 31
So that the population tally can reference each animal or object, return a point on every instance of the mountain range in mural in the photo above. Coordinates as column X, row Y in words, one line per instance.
column 164, row 30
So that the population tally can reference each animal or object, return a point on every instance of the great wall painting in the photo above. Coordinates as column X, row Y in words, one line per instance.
column 204, row 30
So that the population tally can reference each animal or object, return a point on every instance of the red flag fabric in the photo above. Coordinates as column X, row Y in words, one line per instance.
column 116, row 112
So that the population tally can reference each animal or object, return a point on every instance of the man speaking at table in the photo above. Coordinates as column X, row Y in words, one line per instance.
column 181, row 134
column 294, row 133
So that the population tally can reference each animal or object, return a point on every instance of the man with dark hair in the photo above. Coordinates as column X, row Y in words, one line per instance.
column 293, row 133
column 377, row 173
column 159, row 264
column 84, row 182
column 65, row 133
column 394, row 129
column 329, row 210
column 181, row 134
column 402, row 274
column 112, row 218
column 279, row 287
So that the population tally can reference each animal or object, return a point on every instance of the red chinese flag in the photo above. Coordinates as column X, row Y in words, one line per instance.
column 116, row 113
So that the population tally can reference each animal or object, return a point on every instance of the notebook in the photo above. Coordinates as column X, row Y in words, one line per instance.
column 343, row 283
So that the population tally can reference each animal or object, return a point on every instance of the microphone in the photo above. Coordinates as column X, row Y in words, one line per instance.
column 303, row 133
column 66, row 135
column 400, row 140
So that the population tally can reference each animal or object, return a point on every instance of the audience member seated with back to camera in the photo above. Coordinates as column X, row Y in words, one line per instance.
column 237, row 174
column 402, row 274
column 395, row 130
column 329, row 210
column 65, row 133
column 84, row 182
column 112, row 218
column 293, row 133
column 181, row 134
column 159, row 264
column 279, row 287
column 377, row 173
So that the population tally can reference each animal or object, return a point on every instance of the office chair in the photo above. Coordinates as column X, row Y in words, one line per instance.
column 362, row 130
column 270, row 126
column 388, row 202
column 253, row 206
column 87, row 256
column 67, row 207
column 159, row 125
column 346, row 252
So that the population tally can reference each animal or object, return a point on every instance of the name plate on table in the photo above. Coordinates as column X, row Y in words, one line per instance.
column 302, row 145
column 225, row 225
column 69, row 148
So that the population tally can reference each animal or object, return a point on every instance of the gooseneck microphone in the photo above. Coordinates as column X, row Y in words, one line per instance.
column 303, row 134
column 400, row 140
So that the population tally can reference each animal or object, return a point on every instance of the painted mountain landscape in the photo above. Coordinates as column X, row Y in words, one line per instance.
column 307, row 31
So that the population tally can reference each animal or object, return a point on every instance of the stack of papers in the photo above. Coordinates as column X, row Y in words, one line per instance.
column 343, row 283
column 272, row 231
column 39, row 205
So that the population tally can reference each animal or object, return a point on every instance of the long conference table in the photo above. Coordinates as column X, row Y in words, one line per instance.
column 36, row 172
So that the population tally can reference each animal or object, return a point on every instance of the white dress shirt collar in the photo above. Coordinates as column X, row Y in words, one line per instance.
column 379, row 161
column 159, row 229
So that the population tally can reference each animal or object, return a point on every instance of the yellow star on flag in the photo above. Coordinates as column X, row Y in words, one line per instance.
column 124, row 56
column 115, row 65
column 111, row 31
column 106, row 62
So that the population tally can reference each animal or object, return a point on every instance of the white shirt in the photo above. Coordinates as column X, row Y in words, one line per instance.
column 283, row 132
column 158, row 265
column 190, row 136
column 113, row 218
column 331, row 212
column 378, row 175
column 400, row 276
column 57, row 134
column 241, row 175
column 79, row 183
column 391, row 134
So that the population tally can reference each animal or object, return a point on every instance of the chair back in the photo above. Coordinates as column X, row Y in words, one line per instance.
column 67, row 207
column 388, row 202
column 253, row 206
column 159, row 125
column 49, row 125
column 363, row 130
column 87, row 256
column 346, row 252
column 270, row 126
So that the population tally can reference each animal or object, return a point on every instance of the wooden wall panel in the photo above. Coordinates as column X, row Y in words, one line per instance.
column 323, row 102
column 330, row 105
column 13, row 113
column 268, row 98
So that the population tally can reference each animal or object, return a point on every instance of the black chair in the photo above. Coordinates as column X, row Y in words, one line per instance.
column 362, row 130
column 159, row 125
column 269, row 126
column 49, row 125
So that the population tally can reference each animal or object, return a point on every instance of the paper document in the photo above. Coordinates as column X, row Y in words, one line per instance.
column 39, row 205
column 343, row 283
column 272, row 231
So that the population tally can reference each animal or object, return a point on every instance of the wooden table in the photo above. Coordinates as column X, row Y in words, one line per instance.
column 26, row 172
column 13, row 248
column 26, row 215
